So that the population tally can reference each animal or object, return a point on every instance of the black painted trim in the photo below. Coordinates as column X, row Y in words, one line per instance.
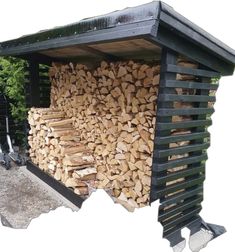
column 182, row 137
column 189, row 84
column 179, row 162
column 160, row 180
column 56, row 185
column 180, row 196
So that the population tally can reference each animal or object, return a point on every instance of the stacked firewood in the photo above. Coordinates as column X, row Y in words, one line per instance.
column 108, row 113
column 56, row 149
column 114, row 109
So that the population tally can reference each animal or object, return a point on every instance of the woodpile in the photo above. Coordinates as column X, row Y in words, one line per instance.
column 56, row 149
column 104, row 122
column 114, row 109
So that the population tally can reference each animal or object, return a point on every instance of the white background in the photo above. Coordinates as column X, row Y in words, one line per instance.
column 101, row 225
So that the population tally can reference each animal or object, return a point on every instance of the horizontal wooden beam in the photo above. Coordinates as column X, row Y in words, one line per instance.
column 182, row 137
column 180, row 150
column 190, row 71
column 39, row 58
column 184, row 124
column 161, row 180
column 180, row 196
column 189, row 84
column 185, row 112
column 186, row 98
column 179, row 208
column 121, row 32
column 96, row 52
column 171, row 39
column 178, row 186
column 179, row 162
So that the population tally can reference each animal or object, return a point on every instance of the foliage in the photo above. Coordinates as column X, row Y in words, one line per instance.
column 12, row 85
column 215, row 80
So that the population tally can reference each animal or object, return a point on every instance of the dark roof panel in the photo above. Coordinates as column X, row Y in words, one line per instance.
column 131, row 15
column 142, row 22
column 193, row 31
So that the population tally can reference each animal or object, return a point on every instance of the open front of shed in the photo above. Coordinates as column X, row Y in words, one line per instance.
column 122, row 102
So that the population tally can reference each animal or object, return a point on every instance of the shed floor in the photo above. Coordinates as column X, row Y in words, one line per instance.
column 24, row 197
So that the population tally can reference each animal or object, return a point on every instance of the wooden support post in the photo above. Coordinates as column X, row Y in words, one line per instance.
column 32, row 91
column 168, row 57
column 33, row 96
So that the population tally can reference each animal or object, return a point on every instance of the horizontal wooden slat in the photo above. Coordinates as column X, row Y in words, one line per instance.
column 46, row 87
column 164, row 214
column 45, row 95
column 181, row 185
column 187, row 111
column 181, row 218
column 183, row 125
column 168, row 233
column 41, row 70
column 178, row 162
column 182, row 137
column 180, row 150
column 41, row 77
column 185, row 70
column 188, row 84
column 41, row 81
column 176, row 198
column 44, row 92
column 186, row 98
column 159, row 180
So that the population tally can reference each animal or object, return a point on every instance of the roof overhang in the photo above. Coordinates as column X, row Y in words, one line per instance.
column 138, row 32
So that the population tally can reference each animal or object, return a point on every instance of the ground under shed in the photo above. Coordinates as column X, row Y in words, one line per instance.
column 24, row 197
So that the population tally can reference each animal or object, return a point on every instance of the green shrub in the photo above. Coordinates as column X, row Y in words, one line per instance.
column 12, row 85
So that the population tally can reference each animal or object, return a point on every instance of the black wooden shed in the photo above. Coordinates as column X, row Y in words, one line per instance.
column 153, row 31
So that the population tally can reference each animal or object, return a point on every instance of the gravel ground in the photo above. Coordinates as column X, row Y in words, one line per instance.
column 24, row 197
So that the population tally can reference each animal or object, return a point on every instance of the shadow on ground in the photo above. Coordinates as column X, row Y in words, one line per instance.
column 23, row 197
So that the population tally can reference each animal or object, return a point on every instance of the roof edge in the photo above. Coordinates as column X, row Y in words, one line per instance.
column 130, row 15
column 195, row 33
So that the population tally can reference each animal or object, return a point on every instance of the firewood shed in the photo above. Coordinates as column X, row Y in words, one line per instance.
column 123, row 101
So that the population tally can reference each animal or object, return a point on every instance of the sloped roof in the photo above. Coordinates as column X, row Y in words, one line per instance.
column 142, row 22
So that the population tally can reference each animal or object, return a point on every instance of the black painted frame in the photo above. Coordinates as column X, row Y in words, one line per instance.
column 185, row 205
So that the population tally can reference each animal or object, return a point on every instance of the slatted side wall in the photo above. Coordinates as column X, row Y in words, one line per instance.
column 44, row 86
column 183, row 115
column 37, row 85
